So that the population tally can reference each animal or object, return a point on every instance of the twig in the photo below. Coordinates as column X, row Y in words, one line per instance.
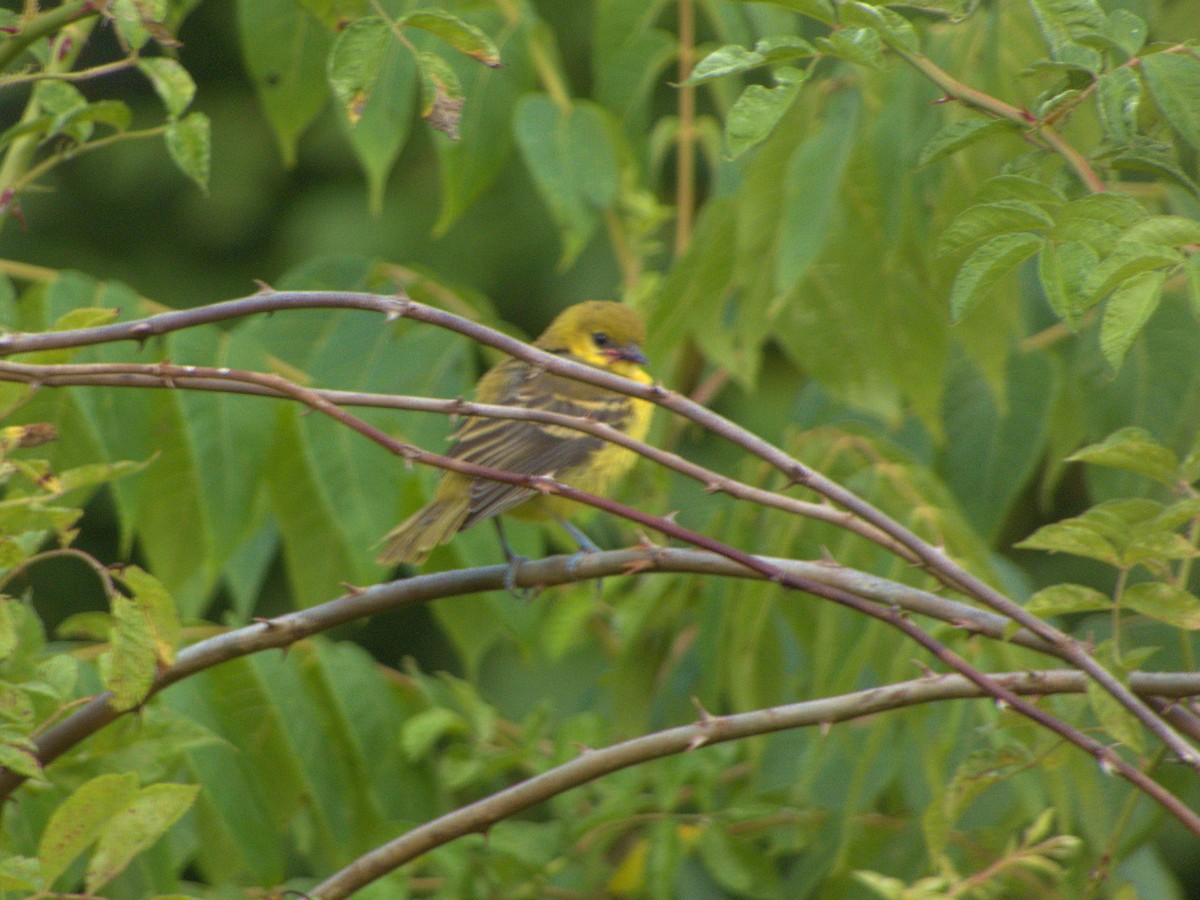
column 685, row 165
column 99, row 71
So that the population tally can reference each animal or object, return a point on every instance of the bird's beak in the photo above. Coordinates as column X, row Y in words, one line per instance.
column 627, row 353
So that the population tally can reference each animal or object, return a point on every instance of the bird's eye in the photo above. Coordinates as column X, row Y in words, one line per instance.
column 600, row 339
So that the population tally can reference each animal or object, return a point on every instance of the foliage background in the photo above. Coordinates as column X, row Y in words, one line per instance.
column 828, row 253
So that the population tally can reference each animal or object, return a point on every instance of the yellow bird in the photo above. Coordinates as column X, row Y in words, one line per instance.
column 606, row 335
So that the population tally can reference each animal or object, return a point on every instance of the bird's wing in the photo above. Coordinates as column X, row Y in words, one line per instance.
column 532, row 448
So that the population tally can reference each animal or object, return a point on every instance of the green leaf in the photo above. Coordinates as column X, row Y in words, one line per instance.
column 1079, row 538
column 157, row 610
column 1154, row 158
column 1065, row 272
column 133, row 16
column 862, row 46
column 190, row 145
column 1118, row 94
column 355, row 63
column 986, row 266
column 284, row 50
column 171, row 82
column 1061, row 599
column 1126, row 261
column 462, row 36
column 1126, row 30
column 976, row 225
column 80, row 819
column 733, row 59
column 1174, row 83
column 992, row 449
column 20, row 873
column 1097, row 219
column 423, row 730
column 130, row 666
column 1126, row 313
column 441, row 94
column 1163, row 602
column 1018, row 187
column 890, row 25
column 1134, row 450
column 812, row 186
column 468, row 167
column 135, row 827
column 697, row 285
column 1166, row 231
column 957, row 135
column 572, row 158
column 375, row 79
column 758, row 110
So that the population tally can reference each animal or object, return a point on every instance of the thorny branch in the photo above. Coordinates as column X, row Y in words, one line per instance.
column 933, row 558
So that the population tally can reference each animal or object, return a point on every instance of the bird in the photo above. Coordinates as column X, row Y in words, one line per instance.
column 599, row 333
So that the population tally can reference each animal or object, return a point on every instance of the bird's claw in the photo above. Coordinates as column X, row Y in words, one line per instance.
column 510, row 576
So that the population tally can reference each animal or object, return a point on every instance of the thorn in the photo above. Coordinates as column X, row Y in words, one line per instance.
column 268, row 624
column 644, row 541
column 263, row 287
column 926, row 672
column 638, row 565
column 827, row 558
column 696, row 743
column 713, row 487
column 544, row 484
column 140, row 332
column 670, row 517
column 583, row 749
column 825, row 728
column 966, row 625
column 352, row 590
column 706, row 718
column 1001, row 704
column 658, row 391
column 1106, row 765
column 946, row 99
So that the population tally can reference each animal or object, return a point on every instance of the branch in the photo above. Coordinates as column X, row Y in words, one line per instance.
column 43, row 26
column 999, row 109
column 949, row 572
column 481, row 815
column 894, row 617
column 549, row 572
column 224, row 380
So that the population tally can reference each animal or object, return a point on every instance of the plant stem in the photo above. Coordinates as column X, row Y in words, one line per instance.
column 685, row 165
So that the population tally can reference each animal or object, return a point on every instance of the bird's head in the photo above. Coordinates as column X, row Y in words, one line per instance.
column 601, row 333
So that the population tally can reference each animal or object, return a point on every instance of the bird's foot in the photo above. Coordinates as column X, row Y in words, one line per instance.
column 586, row 546
column 510, row 576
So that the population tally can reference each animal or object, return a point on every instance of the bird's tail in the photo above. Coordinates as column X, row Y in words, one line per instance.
column 414, row 538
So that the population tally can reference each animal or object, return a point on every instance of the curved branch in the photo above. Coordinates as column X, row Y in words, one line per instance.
column 481, row 815
column 548, row 572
